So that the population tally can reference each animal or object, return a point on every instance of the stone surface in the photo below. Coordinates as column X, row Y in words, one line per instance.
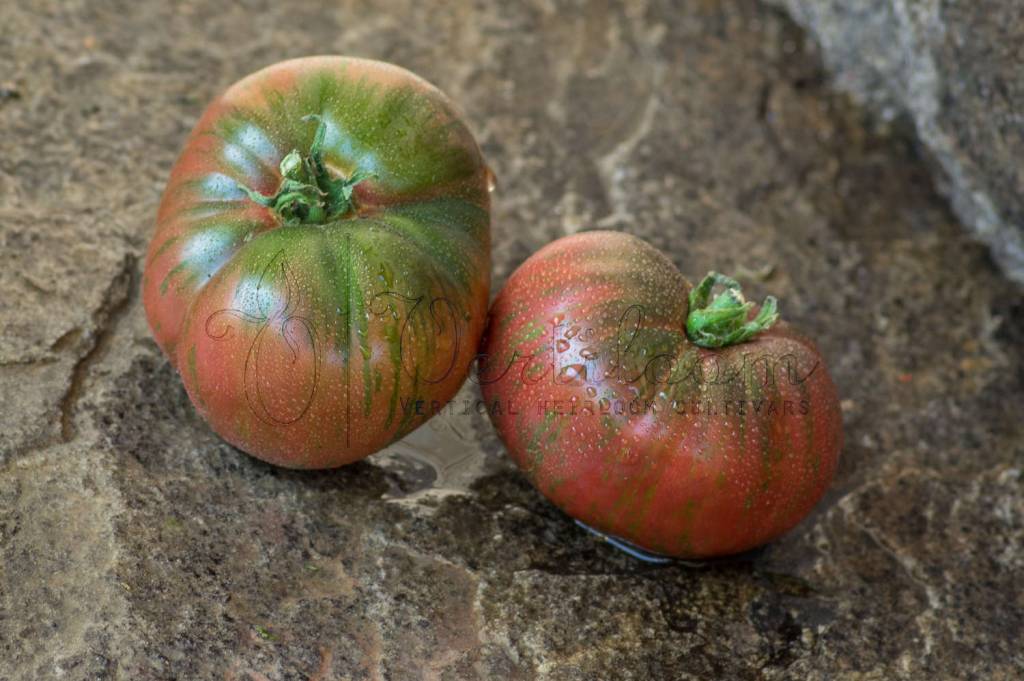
column 953, row 67
column 134, row 544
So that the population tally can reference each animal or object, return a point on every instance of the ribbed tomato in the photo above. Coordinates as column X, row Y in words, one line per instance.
column 321, row 262
column 689, row 425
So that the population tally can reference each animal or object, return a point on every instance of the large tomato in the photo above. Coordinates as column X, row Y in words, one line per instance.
column 689, row 425
column 320, row 269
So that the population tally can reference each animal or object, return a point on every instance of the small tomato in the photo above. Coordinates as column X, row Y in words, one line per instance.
column 688, row 424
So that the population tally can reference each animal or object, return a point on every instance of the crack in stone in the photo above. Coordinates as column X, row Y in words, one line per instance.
column 105, row 318
column 67, row 340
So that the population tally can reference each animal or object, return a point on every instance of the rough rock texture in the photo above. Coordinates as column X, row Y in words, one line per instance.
column 136, row 545
column 953, row 67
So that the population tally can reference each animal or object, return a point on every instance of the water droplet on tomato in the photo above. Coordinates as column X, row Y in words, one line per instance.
column 574, row 374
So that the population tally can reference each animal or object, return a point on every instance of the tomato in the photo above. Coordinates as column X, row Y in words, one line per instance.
column 321, row 261
column 688, row 424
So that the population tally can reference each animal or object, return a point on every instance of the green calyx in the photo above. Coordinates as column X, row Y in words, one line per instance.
column 722, row 320
column 308, row 194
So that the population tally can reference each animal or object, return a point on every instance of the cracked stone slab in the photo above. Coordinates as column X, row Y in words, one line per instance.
column 62, row 283
column 135, row 544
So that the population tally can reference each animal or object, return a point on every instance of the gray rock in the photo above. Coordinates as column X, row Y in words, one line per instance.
column 136, row 545
column 953, row 67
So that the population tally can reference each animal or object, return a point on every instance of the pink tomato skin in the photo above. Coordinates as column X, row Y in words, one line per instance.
column 625, row 424
column 305, row 344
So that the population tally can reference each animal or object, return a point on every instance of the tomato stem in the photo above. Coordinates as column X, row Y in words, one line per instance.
column 722, row 320
column 307, row 193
